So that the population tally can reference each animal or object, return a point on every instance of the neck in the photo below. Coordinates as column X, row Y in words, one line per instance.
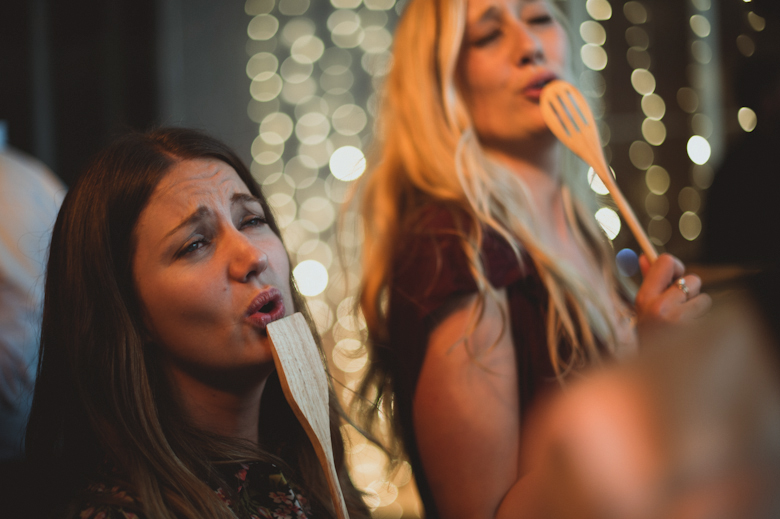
column 538, row 164
column 221, row 409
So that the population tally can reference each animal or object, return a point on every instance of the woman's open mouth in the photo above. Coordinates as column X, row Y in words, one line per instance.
column 266, row 308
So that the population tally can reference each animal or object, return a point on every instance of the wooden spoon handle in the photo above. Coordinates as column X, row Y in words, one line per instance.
column 305, row 386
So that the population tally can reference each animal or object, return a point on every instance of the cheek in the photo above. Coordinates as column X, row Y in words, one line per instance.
column 556, row 48
column 177, row 306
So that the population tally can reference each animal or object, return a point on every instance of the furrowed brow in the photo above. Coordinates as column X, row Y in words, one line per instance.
column 199, row 214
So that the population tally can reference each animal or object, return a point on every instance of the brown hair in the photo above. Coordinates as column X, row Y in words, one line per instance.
column 100, row 390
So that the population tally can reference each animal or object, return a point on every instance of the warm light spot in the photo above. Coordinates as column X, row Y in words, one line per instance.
column 688, row 99
column 701, row 52
column 654, row 131
column 702, row 175
column 593, row 56
column 745, row 45
column 599, row 9
column 263, row 27
column 297, row 28
column 756, row 22
column 311, row 277
column 284, row 208
column 635, row 12
column 641, row 155
column 293, row 7
column 321, row 314
column 349, row 119
column 702, row 125
column 307, row 49
column 700, row 26
column 276, row 128
column 643, row 81
column 267, row 88
column 596, row 184
column 699, row 149
column 660, row 230
column 255, row 7
column 704, row 5
column 349, row 355
column 690, row 226
column 294, row 71
column 657, row 180
column 336, row 83
column 747, row 119
column 261, row 66
column 609, row 221
column 295, row 93
column 317, row 250
column 637, row 37
column 376, row 39
column 653, row 106
column 656, row 205
column 379, row 5
column 638, row 58
column 312, row 128
column 593, row 33
column 265, row 152
column 319, row 211
column 689, row 200
column 345, row 4
column 347, row 163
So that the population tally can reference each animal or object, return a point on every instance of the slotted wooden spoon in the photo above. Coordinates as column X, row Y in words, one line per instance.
column 305, row 386
column 569, row 117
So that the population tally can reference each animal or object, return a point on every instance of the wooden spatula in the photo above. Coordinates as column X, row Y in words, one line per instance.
column 569, row 117
column 305, row 386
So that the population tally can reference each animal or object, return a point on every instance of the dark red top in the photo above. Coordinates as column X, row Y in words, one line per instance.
column 430, row 273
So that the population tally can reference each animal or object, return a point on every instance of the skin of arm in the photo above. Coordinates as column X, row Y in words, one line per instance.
column 467, row 416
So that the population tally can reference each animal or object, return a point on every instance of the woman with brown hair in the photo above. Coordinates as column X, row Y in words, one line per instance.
column 156, row 394
column 486, row 279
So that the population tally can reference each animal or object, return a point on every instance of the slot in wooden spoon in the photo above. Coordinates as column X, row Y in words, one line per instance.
column 305, row 386
column 569, row 117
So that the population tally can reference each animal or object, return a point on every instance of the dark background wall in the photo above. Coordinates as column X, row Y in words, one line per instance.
column 73, row 74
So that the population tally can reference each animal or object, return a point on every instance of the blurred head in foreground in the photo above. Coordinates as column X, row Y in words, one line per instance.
column 689, row 431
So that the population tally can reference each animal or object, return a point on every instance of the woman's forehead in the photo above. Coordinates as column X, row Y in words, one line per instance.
column 200, row 176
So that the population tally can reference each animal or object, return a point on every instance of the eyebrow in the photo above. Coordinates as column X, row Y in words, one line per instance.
column 491, row 13
column 202, row 211
column 196, row 216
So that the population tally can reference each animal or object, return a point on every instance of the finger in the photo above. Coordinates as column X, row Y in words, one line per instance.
column 659, row 276
column 644, row 264
column 685, row 288
column 696, row 307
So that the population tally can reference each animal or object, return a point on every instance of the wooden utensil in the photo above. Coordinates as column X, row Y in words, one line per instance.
column 569, row 117
column 305, row 386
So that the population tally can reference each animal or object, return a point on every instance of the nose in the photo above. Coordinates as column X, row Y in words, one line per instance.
column 247, row 260
column 528, row 44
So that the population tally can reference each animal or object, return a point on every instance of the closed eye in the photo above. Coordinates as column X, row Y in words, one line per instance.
column 485, row 40
column 541, row 20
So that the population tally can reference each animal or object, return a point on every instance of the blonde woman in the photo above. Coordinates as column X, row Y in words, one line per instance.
column 486, row 279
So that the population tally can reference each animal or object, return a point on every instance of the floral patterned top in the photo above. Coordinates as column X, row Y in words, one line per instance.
column 259, row 491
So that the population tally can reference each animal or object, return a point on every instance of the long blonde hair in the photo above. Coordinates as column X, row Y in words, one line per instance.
column 426, row 152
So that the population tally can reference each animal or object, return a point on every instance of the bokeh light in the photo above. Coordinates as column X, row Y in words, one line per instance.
column 699, row 149
column 609, row 221
column 747, row 119
column 347, row 163
column 311, row 277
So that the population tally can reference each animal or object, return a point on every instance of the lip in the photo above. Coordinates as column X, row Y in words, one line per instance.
column 533, row 89
column 261, row 319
